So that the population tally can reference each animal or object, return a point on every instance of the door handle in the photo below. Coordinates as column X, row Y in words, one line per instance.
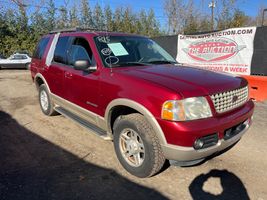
column 68, row 75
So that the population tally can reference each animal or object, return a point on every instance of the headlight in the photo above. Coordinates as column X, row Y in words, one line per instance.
column 186, row 109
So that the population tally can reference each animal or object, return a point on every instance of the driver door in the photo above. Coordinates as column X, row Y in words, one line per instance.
column 82, row 87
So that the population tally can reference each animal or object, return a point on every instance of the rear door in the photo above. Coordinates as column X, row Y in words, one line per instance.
column 58, row 67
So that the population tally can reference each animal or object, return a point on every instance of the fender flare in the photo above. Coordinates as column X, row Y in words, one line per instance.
column 38, row 75
column 141, row 109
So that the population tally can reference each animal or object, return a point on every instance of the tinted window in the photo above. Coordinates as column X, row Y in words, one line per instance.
column 130, row 50
column 78, row 53
column 19, row 57
column 80, row 50
column 40, row 49
column 61, row 50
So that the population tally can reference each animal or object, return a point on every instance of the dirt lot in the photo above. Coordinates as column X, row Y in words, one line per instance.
column 53, row 158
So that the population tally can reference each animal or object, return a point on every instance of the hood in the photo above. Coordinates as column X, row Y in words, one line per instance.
column 188, row 81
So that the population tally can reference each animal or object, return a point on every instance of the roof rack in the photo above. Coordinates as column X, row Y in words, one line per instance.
column 75, row 30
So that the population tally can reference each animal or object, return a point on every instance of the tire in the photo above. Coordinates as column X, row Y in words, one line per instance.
column 134, row 135
column 45, row 101
column 27, row 66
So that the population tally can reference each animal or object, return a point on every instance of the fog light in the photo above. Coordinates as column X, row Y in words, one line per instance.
column 198, row 144
column 228, row 133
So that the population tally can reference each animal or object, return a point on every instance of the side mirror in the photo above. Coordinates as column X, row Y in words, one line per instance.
column 84, row 65
column 81, row 65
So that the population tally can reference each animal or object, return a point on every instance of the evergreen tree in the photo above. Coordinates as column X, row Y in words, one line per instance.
column 204, row 24
column 38, row 23
column 98, row 18
column 142, row 22
column 191, row 25
column 74, row 21
column 50, row 16
column 18, row 31
column 63, row 18
column 109, row 24
column 118, row 19
column 152, row 24
column 128, row 21
column 86, row 19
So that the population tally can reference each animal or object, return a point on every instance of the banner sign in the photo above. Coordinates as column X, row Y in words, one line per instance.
column 229, row 50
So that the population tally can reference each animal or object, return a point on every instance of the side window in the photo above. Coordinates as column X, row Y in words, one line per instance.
column 40, row 49
column 78, row 53
column 80, row 50
column 19, row 57
column 61, row 50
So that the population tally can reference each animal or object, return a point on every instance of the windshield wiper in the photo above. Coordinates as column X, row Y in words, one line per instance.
column 162, row 62
column 129, row 64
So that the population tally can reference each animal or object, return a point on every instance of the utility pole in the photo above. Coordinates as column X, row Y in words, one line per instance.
column 212, row 6
column 263, row 12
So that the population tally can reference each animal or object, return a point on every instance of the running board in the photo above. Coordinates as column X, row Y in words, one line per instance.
column 96, row 130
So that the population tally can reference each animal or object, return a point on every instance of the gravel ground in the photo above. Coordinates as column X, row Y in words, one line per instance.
column 54, row 158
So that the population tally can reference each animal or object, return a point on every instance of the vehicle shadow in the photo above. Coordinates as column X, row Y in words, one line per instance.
column 232, row 186
column 34, row 168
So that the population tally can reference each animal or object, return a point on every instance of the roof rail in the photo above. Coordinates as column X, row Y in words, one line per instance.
column 75, row 30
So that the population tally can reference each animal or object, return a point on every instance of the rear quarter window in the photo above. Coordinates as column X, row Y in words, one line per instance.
column 40, row 49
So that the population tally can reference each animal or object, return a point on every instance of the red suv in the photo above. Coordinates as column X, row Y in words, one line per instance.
column 126, row 88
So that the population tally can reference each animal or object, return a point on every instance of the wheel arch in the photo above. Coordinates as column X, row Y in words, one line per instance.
column 136, row 108
column 39, row 80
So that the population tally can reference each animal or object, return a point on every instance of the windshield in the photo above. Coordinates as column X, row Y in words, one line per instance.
column 119, row 51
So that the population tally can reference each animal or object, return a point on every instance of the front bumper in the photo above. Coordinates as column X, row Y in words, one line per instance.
column 188, row 153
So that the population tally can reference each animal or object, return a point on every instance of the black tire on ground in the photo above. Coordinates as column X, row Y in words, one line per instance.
column 153, row 158
column 48, row 108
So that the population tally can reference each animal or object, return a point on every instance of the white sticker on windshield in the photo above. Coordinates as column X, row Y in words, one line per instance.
column 106, row 51
column 118, row 49
column 104, row 39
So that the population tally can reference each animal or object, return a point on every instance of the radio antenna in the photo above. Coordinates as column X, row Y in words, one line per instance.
column 106, row 35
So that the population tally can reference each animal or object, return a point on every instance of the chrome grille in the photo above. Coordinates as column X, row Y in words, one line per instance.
column 229, row 100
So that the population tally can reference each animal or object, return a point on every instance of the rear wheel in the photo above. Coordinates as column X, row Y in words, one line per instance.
column 45, row 101
column 136, row 145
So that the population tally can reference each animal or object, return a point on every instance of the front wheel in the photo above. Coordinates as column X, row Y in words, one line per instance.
column 136, row 145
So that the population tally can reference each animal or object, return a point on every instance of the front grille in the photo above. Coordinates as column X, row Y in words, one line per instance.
column 229, row 100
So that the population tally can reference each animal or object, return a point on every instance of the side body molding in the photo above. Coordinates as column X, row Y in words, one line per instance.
column 104, row 123
column 140, row 108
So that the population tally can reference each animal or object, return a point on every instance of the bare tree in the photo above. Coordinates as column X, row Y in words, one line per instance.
column 259, row 16
column 225, row 13
column 175, row 11
column 182, row 16
column 23, row 19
